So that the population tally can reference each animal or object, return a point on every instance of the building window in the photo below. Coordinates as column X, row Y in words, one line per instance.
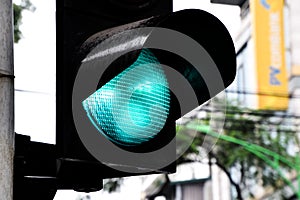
column 241, row 83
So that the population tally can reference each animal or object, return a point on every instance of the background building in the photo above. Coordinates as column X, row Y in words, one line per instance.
column 190, row 182
column 268, row 72
column 267, row 47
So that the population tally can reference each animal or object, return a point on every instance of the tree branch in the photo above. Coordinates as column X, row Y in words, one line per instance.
column 237, row 187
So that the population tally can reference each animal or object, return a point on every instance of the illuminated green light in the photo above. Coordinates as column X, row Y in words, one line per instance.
column 133, row 107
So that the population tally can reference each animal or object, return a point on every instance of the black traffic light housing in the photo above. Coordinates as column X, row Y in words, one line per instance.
column 83, row 28
column 76, row 22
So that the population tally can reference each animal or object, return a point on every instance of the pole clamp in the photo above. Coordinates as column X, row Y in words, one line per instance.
column 5, row 75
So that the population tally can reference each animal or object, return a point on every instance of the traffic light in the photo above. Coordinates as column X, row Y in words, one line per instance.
column 126, row 71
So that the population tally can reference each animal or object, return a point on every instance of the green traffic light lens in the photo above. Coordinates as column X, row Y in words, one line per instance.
column 132, row 107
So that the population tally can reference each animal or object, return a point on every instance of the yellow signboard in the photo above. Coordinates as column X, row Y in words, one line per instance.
column 268, row 35
column 295, row 70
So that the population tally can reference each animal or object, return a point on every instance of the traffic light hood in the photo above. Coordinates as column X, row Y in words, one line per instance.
column 176, row 40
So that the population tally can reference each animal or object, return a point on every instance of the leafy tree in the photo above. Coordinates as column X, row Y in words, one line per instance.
column 17, row 16
column 251, row 151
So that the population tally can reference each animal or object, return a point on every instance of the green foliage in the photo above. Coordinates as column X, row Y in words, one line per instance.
column 17, row 16
column 247, row 166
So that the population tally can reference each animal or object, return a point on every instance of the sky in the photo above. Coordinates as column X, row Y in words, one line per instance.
column 35, row 56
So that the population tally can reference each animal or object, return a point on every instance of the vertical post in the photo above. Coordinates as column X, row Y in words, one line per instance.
column 6, row 101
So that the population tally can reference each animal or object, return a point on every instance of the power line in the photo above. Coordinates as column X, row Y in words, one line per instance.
column 273, row 94
column 31, row 91
column 248, row 112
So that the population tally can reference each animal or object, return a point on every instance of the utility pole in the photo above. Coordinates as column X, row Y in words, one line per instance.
column 6, row 101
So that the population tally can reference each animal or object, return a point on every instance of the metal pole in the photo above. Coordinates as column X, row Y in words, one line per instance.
column 6, row 101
